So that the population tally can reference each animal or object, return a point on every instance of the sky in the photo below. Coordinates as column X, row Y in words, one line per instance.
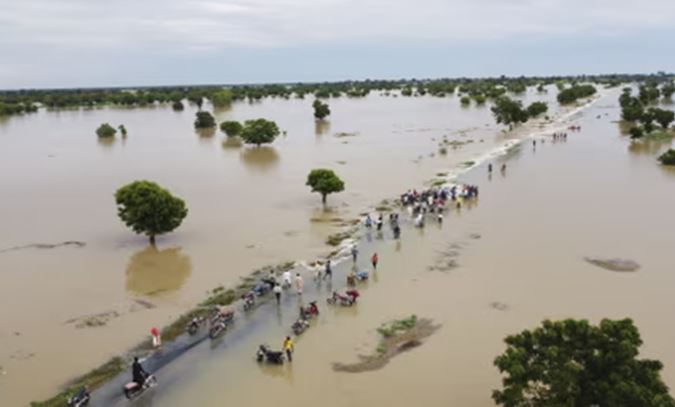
column 90, row 43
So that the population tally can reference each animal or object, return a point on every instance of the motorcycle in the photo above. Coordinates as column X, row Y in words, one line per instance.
column 194, row 325
column 133, row 389
column 249, row 300
column 220, row 323
column 265, row 354
column 79, row 399
column 261, row 289
column 309, row 311
column 346, row 299
column 300, row 326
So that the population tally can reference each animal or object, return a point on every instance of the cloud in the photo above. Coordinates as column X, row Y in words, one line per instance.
column 55, row 31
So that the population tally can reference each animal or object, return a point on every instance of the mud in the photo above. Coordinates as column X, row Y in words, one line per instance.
column 390, row 347
column 42, row 246
column 614, row 264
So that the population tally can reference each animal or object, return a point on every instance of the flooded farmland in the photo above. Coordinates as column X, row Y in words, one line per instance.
column 520, row 251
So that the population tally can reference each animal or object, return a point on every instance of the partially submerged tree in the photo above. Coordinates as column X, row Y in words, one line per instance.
column 536, row 108
column 106, row 130
column 204, row 120
column 508, row 111
column 259, row 131
column 668, row 158
column 149, row 209
column 574, row 363
column 324, row 181
column 221, row 98
column 663, row 117
column 177, row 105
column 123, row 130
column 321, row 109
column 231, row 127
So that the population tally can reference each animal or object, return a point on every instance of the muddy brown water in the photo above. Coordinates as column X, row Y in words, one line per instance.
column 249, row 207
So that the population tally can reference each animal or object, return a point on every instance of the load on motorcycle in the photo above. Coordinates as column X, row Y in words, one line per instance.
column 221, row 319
column 265, row 354
column 346, row 299
column 309, row 311
column 300, row 326
column 249, row 300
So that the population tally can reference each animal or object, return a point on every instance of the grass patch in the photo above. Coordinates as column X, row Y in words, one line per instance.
column 392, row 328
column 443, row 151
column 92, row 380
column 468, row 163
column 337, row 238
column 437, row 182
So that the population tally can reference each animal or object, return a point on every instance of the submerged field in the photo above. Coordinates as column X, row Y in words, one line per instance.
column 519, row 253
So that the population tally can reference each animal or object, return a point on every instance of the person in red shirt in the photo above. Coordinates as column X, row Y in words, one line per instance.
column 374, row 259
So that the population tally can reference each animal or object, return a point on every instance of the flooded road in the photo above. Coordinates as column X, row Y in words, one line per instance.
column 249, row 207
column 520, row 253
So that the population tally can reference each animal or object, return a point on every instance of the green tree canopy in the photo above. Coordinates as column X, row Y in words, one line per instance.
column 536, row 108
column 123, row 130
column 259, row 131
column 574, row 363
column 106, row 130
column 321, row 109
column 508, row 111
column 571, row 94
column 204, row 120
column 663, row 117
column 221, row 98
column 177, row 105
column 324, row 181
column 231, row 127
column 149, row 209
column 668, row 158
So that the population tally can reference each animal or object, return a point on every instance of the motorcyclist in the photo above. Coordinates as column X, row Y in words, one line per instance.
column 138, row 373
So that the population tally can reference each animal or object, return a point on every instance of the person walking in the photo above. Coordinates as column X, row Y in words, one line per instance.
column 299, row 283
column 277, row 293
column 374, row 259
column 328, row 272
column 355, row 253
column 287, row 279
column 289, row 347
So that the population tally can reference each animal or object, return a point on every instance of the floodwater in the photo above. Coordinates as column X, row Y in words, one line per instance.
column 249, row 207
column 520, row 253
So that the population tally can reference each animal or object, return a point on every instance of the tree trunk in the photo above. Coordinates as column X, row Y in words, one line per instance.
column 152, row 240
column 323, row 198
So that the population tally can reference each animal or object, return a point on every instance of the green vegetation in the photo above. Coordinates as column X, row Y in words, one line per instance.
column 221, row 98
column 177, row 106
column 7, row 109
column 394, row 327
column 105, row 130
column 536, row 108
column 204, row 120
column 324, row 181
column 259, row 131
column 123, row 130
column 321, row 109
column 465, row 100
column 574, row 363
column 337, row 238
column 91, row 380
column 149, row 209
column 668, row 158
column 570, row 95
column 231, row 128
column 508, row 111
column 637, row 110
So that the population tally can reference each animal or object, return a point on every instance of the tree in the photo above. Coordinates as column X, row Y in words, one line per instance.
column 536, row 108
column 508, row 111
column 575, row 92
column 662, row 116
column 321, row 110
column 177, row 106
column 149, row 209
column 221, row 98
column 465, row 100
column 106, row 130
column 231, row 128
column 204, row 120
column 123, row 130
column 667, row 90
column 574, row 363
column 668, row 158
column 259, row 131
column 324, row 181
column 636, row 132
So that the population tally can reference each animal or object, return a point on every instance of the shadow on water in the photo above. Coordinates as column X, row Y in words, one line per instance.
column 152, row 271
column 206, row 133
column 232, row 143
column 648, row 147
column 321, row 127
column 260, row 159
column 106, row 142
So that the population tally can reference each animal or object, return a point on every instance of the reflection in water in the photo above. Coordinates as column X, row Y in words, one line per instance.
column 106, row 141
column 321, row 127
column 649, row 147
column 152, row 271
column 206, row 133
column 232, row 143
column 260, row 158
